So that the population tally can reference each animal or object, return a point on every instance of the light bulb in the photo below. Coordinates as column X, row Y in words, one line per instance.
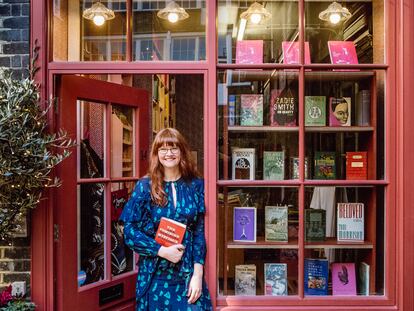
column 255, row 18
column 98, row 20
column 173, row 17
column 334, row 18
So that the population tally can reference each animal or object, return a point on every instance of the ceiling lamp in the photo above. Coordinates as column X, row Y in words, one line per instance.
column 256, row 13
column 173, row 12
column 335, row 13
column 98, row 13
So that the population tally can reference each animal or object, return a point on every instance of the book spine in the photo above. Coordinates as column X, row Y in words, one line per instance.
column 232, row 110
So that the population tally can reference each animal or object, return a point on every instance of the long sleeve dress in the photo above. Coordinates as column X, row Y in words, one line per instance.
column 161, row 284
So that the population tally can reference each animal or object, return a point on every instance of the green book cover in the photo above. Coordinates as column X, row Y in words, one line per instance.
column 273, row 165
column 315, row 225
column 325, row 165
column 251, row 110
column 315, row 111
column 276, row 223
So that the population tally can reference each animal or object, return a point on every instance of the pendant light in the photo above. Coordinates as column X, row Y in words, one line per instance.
column 335, row 13
column 173, row 12
column 256, row 13
column 98, row 13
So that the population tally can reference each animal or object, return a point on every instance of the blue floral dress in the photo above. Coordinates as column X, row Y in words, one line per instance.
column 161, row 284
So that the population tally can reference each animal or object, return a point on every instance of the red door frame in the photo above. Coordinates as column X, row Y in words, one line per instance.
column 398, row 24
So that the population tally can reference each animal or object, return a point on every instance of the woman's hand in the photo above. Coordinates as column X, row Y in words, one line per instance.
column 172, row 253
column 195, row 288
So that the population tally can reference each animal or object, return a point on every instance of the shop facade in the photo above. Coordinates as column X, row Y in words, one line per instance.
column 290, row 124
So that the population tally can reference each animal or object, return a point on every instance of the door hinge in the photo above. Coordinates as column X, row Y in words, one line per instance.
column 56, row 232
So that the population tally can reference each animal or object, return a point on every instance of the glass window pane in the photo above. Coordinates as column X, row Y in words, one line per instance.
column 91, row 228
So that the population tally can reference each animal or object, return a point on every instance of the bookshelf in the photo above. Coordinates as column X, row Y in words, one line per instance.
column 163, row 102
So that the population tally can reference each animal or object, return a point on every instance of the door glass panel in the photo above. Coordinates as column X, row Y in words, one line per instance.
column 92, row 136
column 122, row 141
column 91, row 258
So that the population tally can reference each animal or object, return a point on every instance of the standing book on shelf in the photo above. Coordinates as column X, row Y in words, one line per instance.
column 316, row 276
column 276, row 279
column 343, row 279
column 243, row 163
column 251, row 109
column 291, row 53
column 350, row 222
column 232, row 110
column 273, row 165
column 342, row 52
column 315, row 110
column 315, row 225
column 170, row 232
column 249, row 52
column 245, row 280
column 340, row 111
column 325, row 165
column 294, row 162
column 244, row 224
column 356, row 165
column 276, row 223
column 363, row 279
column 283, row 108
column 363, row 108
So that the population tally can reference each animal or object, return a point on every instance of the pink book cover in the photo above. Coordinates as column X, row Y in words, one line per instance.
column 343, row 279
column 291, row 53
column 340, row 111
column 249, row 52
column 342, row 52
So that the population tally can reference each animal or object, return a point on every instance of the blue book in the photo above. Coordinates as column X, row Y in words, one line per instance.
column 316, row 277
column 232, row 110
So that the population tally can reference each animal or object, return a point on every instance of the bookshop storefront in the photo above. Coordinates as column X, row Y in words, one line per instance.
column 298, row 115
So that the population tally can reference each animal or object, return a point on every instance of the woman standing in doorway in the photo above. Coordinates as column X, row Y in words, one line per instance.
column 169, row 278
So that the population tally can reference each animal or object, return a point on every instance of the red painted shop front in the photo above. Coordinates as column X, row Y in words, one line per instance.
column 298, row 114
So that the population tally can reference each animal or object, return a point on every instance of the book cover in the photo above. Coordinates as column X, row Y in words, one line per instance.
column 244, row 224
column 291, row 53
column 350, row 222
column 283, row 108
column 170, row 232
column 315, row 110
column 316, row 276
column 315, row 225
column 238, row 109
column 363, row 108
column 118, row 201
column 249, row 52
column 363, row 279
column 232, row 110
column 276, row 279
column 243, row 163
column 343, row 279
column 245, row 280
column 340, row 111
column 273, row 165
column 342, row 52
column 294, row 162
column 325, row 165
column 251, row 110
column 276, row 223
column 356, row 165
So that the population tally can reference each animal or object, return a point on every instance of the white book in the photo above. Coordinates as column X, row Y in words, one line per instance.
column 245, row 280
column 350, row 222
column 243, row 163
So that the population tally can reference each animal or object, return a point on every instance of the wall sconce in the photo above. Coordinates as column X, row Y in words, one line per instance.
column 173, row 12
column 256, row 13
column 98, row 13
column 335, row 13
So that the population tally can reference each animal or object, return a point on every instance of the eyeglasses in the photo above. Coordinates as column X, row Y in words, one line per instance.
column 164, row 151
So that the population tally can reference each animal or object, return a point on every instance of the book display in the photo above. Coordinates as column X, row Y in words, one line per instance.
column 343, row 279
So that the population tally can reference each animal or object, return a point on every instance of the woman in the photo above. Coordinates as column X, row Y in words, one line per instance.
column 169, row 278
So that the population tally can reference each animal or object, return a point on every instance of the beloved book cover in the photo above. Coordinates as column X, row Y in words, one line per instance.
column 276, row 223
column 325, row 165
column 169, row 232
column 340, row 111
column 342, row 52
column 243, row 163
column 273, row 165
column 244, row 224
column 283, row 108
column 316, row 276
column 245, row 280
column 363, row 108
column 356, row 165
column 343, row 279
column 363, row 279
column 232, row 110
column 315, row 225
column 251, row 109
column 315, row 110
column 249, row 52
column 294, row 162
column 350, row 222
column 276, row 279
column 291, row 54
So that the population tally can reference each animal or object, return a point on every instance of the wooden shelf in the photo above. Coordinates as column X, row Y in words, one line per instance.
column 126, row 160
column 257, row 183
column 127, row 127
column 127, row 169
column 127, row 142
column 262, row 244
column 335, row 129
column 345, row 75
column 265, row 128
column 333, row 243
column 296, row 182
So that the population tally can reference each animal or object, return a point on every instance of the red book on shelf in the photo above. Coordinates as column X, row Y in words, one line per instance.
column 249, row 52
column 170, row 232
column 342, row 52
column 291, row 53
column 356, row 165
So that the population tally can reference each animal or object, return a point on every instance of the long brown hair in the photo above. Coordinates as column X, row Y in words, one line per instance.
column 169, row 137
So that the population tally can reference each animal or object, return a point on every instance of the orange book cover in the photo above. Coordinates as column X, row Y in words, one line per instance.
column 170, row 232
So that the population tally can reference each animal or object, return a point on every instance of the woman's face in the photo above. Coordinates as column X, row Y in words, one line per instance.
column 341, row 112
column 169, row 156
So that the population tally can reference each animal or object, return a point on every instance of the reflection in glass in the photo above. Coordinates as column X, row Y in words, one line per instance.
column 91, row 245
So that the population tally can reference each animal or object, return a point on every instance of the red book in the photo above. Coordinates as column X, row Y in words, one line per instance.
column 249, row 52
column 356, row 165
column 342, row 52
column 291, row 53
column 170, row 232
